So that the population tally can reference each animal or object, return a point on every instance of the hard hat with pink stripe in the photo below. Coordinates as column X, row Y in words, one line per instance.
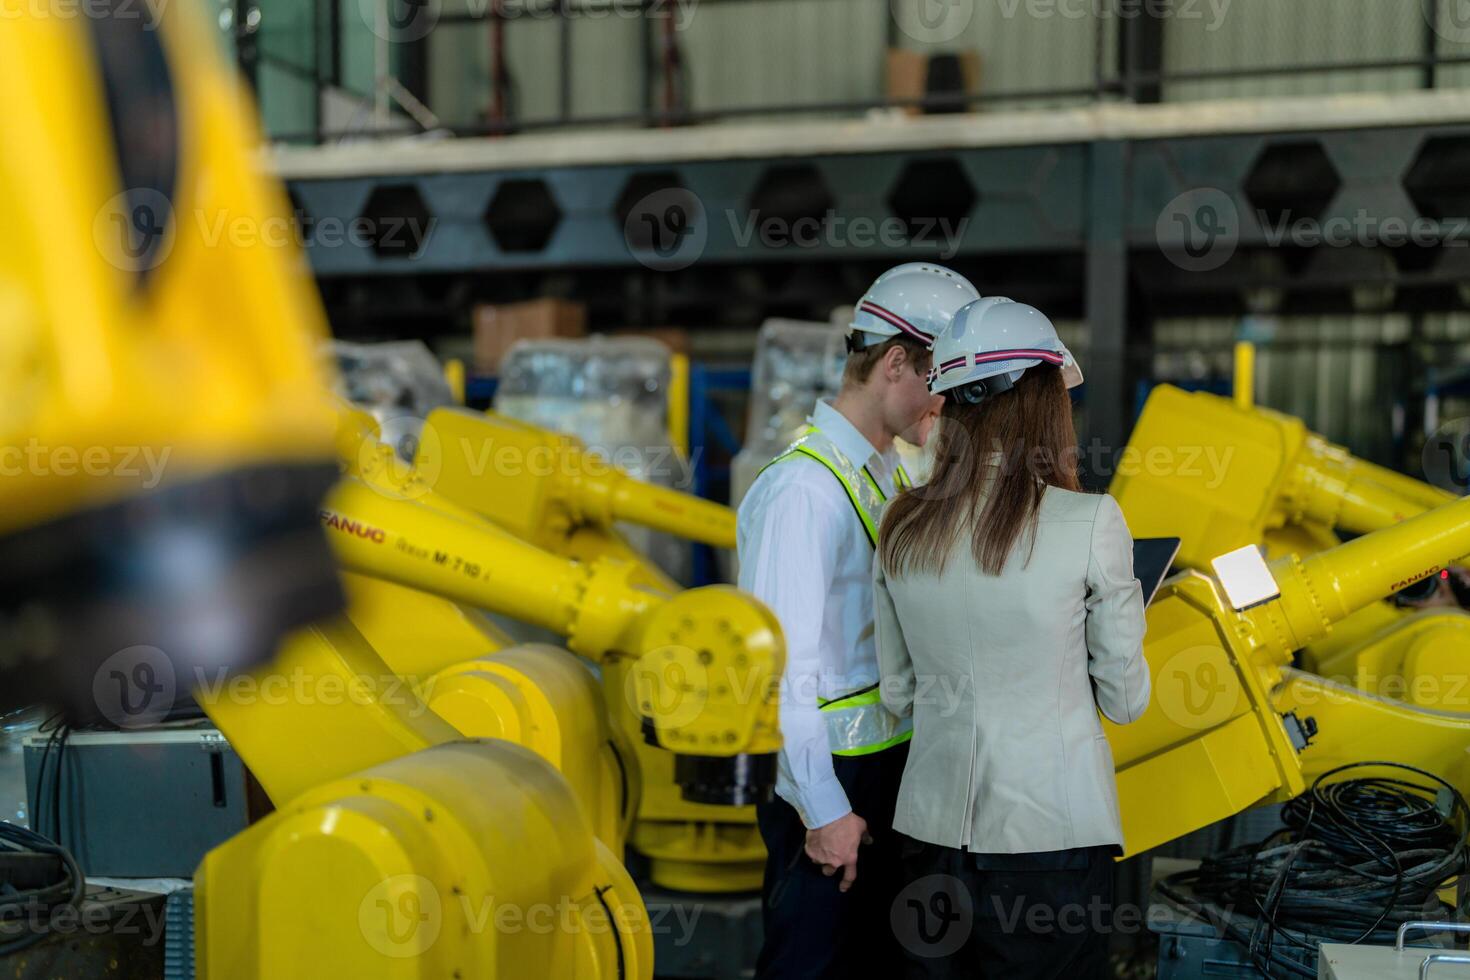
column 990, row 343
column 915, row 300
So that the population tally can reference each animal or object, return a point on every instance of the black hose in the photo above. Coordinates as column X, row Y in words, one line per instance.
column 18, row 906
column 1357, row 858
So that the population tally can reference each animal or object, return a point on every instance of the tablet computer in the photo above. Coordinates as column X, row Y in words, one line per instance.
column 1152, row 559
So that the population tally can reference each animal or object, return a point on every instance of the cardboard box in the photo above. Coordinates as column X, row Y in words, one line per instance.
column 908, row 75
column 497, row 327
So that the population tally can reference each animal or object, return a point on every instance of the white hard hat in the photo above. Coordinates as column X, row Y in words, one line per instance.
column 990, row 343
column 916, row 299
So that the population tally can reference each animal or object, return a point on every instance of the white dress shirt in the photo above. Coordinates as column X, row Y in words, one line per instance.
column 804, row 553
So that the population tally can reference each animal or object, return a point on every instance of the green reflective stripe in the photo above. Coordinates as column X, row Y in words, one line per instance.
column 859, row 723
column 901, row 481
column 870, row 749
column 868, row 695
column 851, row 493
column 863, row 492
column 901, row 478
column 883, row 497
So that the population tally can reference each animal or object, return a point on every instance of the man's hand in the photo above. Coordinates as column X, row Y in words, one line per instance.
column 835, row 846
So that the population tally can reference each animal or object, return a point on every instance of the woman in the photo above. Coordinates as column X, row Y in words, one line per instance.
column 1007, row 616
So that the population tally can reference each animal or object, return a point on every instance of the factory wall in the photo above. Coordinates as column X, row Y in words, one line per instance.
column 1357, row 379
column 285, row 82
column 764, row 52
column 735, row 54
column 1265, row 33
column 757, row 53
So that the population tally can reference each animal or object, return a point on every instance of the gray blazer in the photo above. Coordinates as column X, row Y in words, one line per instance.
column 1004, row 676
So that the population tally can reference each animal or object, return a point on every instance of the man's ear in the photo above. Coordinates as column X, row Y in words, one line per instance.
column 895, row 362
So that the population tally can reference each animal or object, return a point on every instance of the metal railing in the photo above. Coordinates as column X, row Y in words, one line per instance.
column 1116, row 50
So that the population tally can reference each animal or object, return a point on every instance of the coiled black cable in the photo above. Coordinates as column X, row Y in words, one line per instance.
column 1357, row 858
column 57, row 731
column 21, row 909
column 25, row 913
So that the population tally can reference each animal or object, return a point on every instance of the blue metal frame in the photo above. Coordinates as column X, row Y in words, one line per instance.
column 708, row 430
column 1441, row 384
column 479, row 390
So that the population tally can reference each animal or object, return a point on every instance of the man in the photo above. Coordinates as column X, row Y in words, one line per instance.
column 806, row 536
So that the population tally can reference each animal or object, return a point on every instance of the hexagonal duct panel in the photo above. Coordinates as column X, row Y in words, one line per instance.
column 1438, row 182
column 396, row 221
column 639, row 187
column 1290, row 181
column 522, row 216
column 931, row 195
column 790, row 193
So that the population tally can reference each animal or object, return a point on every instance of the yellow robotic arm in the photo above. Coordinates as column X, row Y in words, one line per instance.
column 402, row 845
column 1221, row 476
column 167, row 447
column 1230, row 726
column 470, row 672
column 468, row 859
column 708, row 661
column 161, row 451
column 544, row 487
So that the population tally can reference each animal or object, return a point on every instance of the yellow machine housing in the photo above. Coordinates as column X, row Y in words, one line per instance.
column 708, row 660
column 490, row 569
column 116, row 340
column 140, row 320
column 322, row 728
column 1231, row 725
column 162, row 451
column 1224, row 474
column 1221, row 476
column 470, row 859
column 469, row 672
column 473, row 676
column 547, row 489
column 419, row 634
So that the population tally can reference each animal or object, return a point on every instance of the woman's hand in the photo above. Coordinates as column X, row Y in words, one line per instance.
column 835, row 846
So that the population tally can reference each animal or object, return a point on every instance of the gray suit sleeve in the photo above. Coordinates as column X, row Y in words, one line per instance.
column 1115, row 623
column 897, row 683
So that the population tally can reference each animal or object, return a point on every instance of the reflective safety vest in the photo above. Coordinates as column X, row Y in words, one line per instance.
column 863, row 491
column 857, row 723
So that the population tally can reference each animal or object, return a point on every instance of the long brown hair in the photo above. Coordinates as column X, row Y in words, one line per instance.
column 993, row 462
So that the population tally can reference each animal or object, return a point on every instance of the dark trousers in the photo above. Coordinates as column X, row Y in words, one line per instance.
column 813, row 930
column 1010, row 916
